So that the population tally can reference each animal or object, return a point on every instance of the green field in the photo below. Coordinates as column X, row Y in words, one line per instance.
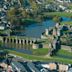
column 64, row 52
column 58, row 14
column 40, row 51
column 41, row 58
column 66, row 23
column 70, row 6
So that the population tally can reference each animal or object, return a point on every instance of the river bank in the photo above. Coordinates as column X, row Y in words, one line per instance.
column 39, row 58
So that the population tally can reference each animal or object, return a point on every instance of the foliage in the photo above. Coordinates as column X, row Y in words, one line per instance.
column 56, row 19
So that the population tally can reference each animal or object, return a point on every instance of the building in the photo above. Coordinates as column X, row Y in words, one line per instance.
column 51, row 66
column 63, row 68
column 40, row 1
column 67, row 1
column 2, row 27
column 62, row 7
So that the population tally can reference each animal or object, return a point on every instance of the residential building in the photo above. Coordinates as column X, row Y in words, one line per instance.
column 63, row 68
column 65, row 1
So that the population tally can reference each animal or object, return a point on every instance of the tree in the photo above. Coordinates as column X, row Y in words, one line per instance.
column 14, row 16
column 34, row 7
column 11, row 15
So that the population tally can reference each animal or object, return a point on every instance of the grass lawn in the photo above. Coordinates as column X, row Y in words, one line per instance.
column 41, row 58
column 40, row 51
column 28, row 21
column 2, row 31
column 5, row 31
column 50, row 1
column 58, row 14
column 67, row 23
column 64, row 52
column 70, row 6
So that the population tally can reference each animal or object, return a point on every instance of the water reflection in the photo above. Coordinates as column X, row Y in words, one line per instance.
column 20, row 46
column 24, row 48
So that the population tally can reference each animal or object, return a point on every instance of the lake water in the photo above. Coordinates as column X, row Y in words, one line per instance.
column 36, row 29
column 66, row 19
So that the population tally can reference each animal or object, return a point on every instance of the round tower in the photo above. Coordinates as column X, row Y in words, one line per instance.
column 46, row 32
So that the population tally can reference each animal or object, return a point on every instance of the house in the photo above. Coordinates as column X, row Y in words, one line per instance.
column 63, row 68
column 67, row 1
column 62, row 7
column 4, row 65
column 51, row 7
column 45, row 66
column 2, row 27
column 40, row 1
column 51, row 66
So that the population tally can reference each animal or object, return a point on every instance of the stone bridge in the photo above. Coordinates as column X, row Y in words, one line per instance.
column 18, row 41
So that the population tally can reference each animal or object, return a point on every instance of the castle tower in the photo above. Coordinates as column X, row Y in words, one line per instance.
column 46, row 32
column 57, row 25
column 54, row 32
